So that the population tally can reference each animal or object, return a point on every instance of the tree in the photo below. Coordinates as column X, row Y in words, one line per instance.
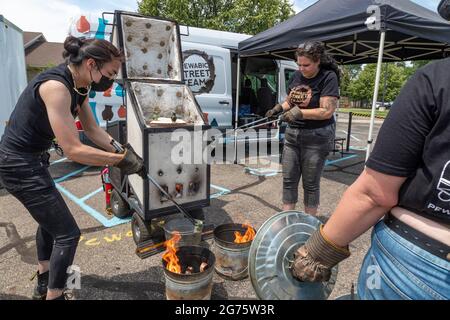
column 362, row 87
column 349, row 74
column 242, row 16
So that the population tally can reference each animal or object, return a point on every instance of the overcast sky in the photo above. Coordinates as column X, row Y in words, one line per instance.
column 52, row 17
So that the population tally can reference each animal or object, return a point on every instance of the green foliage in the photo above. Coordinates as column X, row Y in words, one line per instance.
column 362, row 86
column 358, row 81
column 242, row 16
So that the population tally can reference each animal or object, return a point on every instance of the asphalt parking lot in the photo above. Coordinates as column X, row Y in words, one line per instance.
column 109, row 267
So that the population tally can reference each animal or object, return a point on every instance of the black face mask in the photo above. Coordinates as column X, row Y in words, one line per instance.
column 104, row 84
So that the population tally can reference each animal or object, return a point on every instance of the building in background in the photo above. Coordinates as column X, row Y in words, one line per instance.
column 40, row 54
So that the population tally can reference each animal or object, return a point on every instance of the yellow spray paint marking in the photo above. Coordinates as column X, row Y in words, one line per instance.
column 113, row 238
column 92, row 242
column 106, row 239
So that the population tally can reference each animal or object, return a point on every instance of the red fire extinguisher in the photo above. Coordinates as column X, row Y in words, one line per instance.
column 108, row 188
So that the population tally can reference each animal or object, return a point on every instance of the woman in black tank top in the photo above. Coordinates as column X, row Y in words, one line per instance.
column 46, row 110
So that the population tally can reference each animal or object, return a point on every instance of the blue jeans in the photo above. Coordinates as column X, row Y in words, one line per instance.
column 26, row 177
column 304, row 155
column 396, row 269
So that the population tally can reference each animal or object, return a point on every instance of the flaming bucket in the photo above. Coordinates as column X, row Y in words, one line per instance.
column 189, row 273
column 231, row 247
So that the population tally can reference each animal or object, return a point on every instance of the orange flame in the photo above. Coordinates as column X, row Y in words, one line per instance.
column 170, row 256
column 248, row 236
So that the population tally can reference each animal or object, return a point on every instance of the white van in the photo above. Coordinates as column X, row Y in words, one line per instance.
column 210, row 70
column 14, row 76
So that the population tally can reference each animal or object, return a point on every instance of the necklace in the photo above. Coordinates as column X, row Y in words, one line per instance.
column 88, row 88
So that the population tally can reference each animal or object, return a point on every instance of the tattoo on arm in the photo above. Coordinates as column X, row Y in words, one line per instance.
column 328, row 106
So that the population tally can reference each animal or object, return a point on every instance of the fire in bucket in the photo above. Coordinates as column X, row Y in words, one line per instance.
column 248, row 236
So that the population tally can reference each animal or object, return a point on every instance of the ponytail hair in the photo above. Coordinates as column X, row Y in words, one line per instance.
column 78, row 49
column 315, row 51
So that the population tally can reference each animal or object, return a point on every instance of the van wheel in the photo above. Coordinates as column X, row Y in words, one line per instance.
column 119, row 206
column 141, row 231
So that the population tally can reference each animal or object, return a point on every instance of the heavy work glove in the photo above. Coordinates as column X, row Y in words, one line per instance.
column 314, row 260
column 297, row 96
column 292, row 115
column 274, row 111
column 131, row 163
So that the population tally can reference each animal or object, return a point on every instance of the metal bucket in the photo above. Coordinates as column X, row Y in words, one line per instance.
column 232, row 258
column 190, row 235
column 195, row 286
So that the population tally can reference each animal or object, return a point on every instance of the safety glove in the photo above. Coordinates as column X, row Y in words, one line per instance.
column 315, row 259
column 131, row 162
column 274, row 111
column 292, row 115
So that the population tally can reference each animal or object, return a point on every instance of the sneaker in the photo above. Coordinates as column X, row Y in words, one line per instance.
column 40, row 291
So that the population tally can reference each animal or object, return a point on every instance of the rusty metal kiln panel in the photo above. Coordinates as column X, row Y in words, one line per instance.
column 186, row 182
column 152, row 47
column 158, row 103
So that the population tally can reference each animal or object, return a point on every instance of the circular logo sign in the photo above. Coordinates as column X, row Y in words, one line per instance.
column 199, row 71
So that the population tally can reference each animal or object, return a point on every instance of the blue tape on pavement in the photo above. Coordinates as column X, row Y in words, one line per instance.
column 329, row 162
column 222, row 191
column 108, row 223
column 262, row 172
column 90, row 195
column 74, row 173
column 58, row 161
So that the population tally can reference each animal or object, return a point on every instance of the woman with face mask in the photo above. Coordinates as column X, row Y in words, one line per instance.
column 309, row 112
column 46, row 110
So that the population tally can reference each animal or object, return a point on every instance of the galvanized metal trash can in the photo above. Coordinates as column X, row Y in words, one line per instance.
column 271, row 255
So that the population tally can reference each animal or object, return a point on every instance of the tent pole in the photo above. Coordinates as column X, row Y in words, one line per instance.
column 375, row 94
column 236, row 117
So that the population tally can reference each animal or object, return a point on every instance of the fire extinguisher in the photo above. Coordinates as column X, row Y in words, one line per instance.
column 107, row 188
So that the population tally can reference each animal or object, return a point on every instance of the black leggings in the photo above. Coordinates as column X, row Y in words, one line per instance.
column 27, row 178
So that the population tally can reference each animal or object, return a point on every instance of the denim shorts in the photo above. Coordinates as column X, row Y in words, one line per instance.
column 304, row 155
column 396, row 269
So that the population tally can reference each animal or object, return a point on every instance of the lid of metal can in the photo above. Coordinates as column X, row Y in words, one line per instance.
column 272, row 252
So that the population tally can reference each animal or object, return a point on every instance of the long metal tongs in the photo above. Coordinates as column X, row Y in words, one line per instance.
column 144, row 175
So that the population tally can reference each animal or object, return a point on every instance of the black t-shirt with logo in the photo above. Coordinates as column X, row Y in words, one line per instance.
column 324, row 84
column 414, row 142
column 28, row 128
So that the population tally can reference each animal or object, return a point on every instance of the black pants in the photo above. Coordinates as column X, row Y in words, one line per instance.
column 304, row 155
column 26, row 177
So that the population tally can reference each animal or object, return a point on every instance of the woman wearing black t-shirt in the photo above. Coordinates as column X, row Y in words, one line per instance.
column 309, row 111
column 406, row 181
column 46, row 109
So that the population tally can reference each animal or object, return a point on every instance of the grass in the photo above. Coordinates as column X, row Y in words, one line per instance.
column 367, row 112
